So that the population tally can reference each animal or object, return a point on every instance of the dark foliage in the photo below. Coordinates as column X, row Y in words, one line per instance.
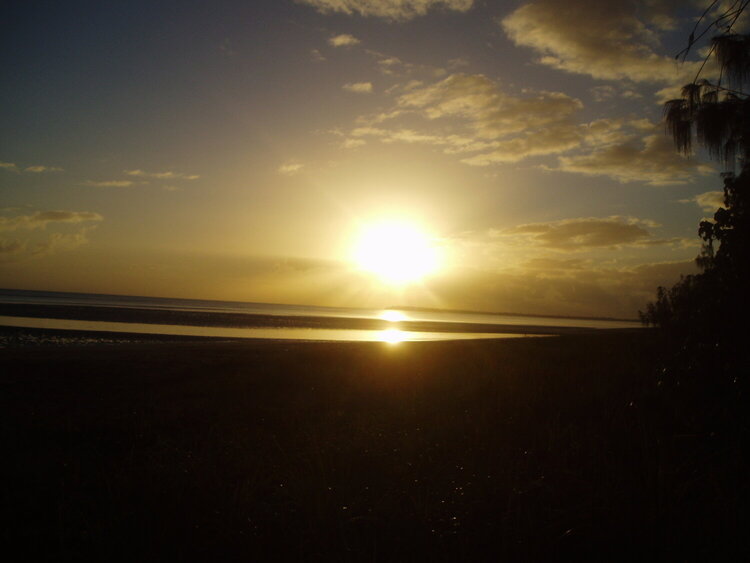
column 702, row 318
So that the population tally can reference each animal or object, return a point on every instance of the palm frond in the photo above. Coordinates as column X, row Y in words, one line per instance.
column 733, row 55
column 714, row 128
column 678, row 124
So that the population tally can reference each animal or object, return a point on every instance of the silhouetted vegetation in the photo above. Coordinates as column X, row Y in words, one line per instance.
column 702, row 318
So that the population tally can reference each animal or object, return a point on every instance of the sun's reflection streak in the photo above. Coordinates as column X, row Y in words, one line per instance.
column 392, row 336
column 393, row 316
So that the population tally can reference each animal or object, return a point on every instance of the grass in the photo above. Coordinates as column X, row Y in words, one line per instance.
column 453, row 451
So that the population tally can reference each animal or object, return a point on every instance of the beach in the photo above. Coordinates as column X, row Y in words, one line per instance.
column 469, row 450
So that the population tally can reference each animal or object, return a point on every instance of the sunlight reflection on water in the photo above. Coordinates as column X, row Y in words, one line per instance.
column 393, row 316
column 391, row 335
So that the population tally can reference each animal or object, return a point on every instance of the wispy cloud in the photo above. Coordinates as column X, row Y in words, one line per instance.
column 490, row 111
column 707, row 201
column 78, row 224
column 41, row 219
column 169, row 175
column 352, row 143
column 110, row 183
column 9, row 249
column 343, row 40
column 39, row 169
column 584, row 233
column 60, row 242
column 358, row 87
column 36, row 169
column 652, row 159
column 290, row 168
column 316, row 56
column 390, row 65
column 489, row 126
column 398, row 10
column 484, row 119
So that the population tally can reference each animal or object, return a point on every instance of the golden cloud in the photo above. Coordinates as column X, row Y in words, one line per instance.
column 290, row 168
column 162, row 175
column 605, row 40
column 707, row 201
column 400, row 10
column 41, row 219
column 39, row 169
column 110, row 183
column 343, row 40
column 652, row 160
column 358, row 87
column 583, row 233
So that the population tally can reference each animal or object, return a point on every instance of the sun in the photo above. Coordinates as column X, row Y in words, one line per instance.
column 398, row 253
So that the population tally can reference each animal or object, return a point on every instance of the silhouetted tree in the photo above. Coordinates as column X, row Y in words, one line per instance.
column 703, row 317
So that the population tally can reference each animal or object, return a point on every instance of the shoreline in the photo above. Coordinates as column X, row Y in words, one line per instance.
column 246, row 320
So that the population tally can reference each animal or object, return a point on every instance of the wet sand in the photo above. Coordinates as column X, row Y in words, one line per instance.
column 260, row 450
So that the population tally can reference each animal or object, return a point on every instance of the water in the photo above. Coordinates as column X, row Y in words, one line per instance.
column 392, row 334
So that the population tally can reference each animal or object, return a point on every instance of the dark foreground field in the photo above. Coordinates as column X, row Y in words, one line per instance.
column 517, row 450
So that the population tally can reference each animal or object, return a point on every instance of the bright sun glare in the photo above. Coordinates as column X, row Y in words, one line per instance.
column 397, row 253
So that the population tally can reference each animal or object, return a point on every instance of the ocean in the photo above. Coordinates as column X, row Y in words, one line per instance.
column 208, row 318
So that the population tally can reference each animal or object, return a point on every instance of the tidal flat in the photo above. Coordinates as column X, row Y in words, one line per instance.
column 520, row 449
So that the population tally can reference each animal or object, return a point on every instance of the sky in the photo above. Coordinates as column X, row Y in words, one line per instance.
column 237, row 150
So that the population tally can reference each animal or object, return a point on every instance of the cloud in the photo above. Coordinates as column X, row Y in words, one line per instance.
column 554, row 264
column 584, row 233
column 394, row 66
column 343, row 40
column 510, row 127
column 452, row 144
column 399, row 10
column 317, row 56
column 9, row 249
column 561, row 287
column 11, row 167
column 14, row 250
column 549, row 140
column 607, row 92
column 707, row 201
column 491, row 112
column 110, row 183
column 290, row 168
column 652, row 159
column 352, row 143
column 38, row 169
column 58, row 242
column 41, row 219
column 501, row 127
column 358, row 87
column 161, row 175
column 604, row 40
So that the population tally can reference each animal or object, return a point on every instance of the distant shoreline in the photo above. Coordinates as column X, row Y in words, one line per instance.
column 248, row 320
column 41, row 293
column 506, row 314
